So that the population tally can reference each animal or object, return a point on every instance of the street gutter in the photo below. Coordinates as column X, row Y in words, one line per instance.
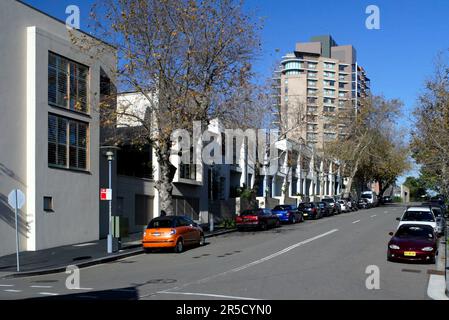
column 138, row 250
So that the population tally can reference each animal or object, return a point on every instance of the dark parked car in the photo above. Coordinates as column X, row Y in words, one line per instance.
column 257, row 219
column 413, row 242
column 326, row 208
column 333, row 204
column 386, row 199
column 363, row 204
column 311, row 210
column 288, row 213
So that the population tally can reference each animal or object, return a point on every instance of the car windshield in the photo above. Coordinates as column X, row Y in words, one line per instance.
column 418, row 216
column 306, row 205
column 281, row 208
column 367, row 196
column 250, row 212
column 328, row 200
column 414, row 232
column 161, row 223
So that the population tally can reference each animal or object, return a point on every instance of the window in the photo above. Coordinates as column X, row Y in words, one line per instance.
column 328, row 92
column 328, row 101
column 48, row 204
column 328, row 74
column 311, row 83
column 67, row 143
column 135, row 161
column 312, row 65
column 328, row 109
column 311, row 92
column 328, row 65
column 311, row 100
column 67, row 83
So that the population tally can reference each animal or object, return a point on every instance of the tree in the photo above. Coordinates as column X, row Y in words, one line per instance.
column 417, row 187
column 183, row 57
column 362, row 135
column 430, row 137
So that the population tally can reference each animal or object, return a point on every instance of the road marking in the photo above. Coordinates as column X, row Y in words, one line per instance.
column 271, row 256
column 48, row 294
column 6, row 285
column 356, row 221
column 42, row 287
column 374, row 215
column 84, row 245
column 12, row 290
column 207, row 295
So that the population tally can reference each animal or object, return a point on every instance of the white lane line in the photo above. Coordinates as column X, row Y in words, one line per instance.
column 42, row 287
column 48, row 294
column 242, row 267
column 208, row 295
column 356, row 221
column 274, row 255
column 374, row 215
column 12, row 290
column 6, row 285
column 271, row 256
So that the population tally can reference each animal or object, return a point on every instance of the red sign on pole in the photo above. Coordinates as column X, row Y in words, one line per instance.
column 105, row 194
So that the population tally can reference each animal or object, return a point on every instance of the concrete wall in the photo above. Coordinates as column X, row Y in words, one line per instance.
column 27, row 36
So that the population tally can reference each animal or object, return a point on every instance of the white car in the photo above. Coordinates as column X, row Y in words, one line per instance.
column 343, row 205
column 418, row 215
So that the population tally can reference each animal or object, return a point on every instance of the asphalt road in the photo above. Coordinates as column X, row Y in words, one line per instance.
column 323, row 259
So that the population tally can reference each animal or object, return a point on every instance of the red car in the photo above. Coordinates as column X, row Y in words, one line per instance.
column 257, row 219
column 413, row 242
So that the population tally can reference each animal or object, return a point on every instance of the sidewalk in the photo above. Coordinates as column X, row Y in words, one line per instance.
column 82, row 255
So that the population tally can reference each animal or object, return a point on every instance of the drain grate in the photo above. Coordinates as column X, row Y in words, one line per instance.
column 411, row 270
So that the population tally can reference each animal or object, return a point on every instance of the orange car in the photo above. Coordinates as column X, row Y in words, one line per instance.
column 173, row 232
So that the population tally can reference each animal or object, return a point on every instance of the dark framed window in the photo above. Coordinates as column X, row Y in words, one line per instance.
column 67, row 143
column 67, row 83
column 48, row 204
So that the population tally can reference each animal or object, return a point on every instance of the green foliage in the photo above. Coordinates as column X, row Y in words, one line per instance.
column 417, row 187
column 228, row 223
column 397, row 199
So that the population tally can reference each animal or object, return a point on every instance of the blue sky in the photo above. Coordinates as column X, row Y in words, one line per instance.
column 397, row 58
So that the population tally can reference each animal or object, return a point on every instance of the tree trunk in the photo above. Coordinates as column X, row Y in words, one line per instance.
column 166, row 174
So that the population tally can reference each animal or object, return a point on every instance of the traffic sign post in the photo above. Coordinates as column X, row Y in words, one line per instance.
column 16, row 199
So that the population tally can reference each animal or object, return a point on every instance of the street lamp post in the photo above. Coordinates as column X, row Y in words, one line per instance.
column 211, row 214
column 110, row 157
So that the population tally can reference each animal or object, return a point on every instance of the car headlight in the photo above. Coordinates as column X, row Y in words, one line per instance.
column 427, row 249
column 394, row 247
column 144, row 233
column 172, row 231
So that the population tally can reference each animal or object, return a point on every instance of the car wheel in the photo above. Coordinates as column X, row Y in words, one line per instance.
column 202, row 241
column 278, row 223
column 147, row 250
column 432, row 260
column 179, row 246
column 293, row 221
column 263, row 226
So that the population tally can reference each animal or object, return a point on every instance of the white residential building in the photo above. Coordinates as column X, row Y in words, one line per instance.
column 49, row 130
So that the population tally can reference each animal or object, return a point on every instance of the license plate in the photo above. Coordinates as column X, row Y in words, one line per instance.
column 156, row 234
column 410, row 253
